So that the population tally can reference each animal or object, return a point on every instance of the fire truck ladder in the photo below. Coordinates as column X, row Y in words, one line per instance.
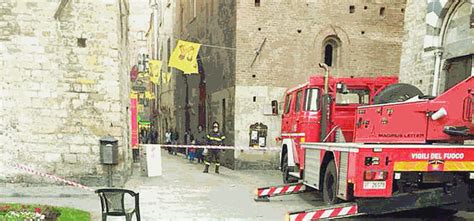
column 264, row 193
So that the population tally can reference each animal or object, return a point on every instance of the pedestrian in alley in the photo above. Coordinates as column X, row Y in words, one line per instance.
column 200, row 140
column 168, row 140
column 174, row 141
column 187, row 141
column 214, row 138
column 192, row 150
column 154, row 135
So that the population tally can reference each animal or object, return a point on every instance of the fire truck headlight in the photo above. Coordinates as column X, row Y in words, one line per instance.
column 471, row 175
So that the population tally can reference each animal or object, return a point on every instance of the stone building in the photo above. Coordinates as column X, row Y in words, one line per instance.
column 64, row 85
column 165, row 91
column 438, row 47
column 236, row 85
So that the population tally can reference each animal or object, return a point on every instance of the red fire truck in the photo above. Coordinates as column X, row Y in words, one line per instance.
column 372, row 146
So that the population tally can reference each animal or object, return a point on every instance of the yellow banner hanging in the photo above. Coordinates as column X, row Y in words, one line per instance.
column 165, row 77
column 184, row 57
column 149, row 95
column 155, row 80
column 155, row 68
column 133, row 95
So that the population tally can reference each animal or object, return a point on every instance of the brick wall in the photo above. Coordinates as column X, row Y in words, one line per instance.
column 369, row 44
column 59, row 95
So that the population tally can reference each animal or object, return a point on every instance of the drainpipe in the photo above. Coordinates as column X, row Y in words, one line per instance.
column 437, row 70
column 326, row 104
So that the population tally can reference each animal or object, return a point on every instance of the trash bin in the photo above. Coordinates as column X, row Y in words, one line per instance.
column 108, row 150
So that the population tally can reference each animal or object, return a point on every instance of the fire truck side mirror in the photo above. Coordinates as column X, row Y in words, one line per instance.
column 274, row 107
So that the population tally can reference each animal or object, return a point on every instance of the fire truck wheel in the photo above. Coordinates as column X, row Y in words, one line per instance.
column 286, row 171
column 397, row 93
column 330, row 184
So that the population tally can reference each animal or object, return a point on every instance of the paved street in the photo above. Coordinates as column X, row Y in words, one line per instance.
column 185, row 193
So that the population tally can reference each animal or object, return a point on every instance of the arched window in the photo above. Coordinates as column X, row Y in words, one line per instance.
column 331, row 46
column 328, row 53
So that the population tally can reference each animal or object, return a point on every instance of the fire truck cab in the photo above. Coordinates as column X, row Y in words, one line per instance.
column 302, row 115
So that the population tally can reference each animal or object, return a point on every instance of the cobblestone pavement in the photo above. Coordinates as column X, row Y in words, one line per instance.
column 185, row 193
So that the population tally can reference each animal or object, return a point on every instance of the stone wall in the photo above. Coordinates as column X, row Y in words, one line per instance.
column 434, row 29
column 368, row 35
column 64, row 85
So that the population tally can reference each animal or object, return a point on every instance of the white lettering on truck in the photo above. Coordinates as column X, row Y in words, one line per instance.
column 437, row 156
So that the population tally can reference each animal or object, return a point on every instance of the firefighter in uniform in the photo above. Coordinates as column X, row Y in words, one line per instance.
column 214, row 138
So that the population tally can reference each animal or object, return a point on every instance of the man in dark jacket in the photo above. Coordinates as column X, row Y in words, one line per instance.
column 214, row 138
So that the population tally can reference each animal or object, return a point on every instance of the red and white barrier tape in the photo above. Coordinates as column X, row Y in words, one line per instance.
column 325, row 213
column 277, row 190
column 53, row 177
column 218, row 147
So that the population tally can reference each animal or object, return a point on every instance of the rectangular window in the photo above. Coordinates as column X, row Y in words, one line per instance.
column 287, row 103
column 312, row 99
column 257, row 3
column 382, row 11
column 298, row 101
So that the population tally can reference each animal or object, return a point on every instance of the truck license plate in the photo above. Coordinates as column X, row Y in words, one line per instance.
column 374, row 185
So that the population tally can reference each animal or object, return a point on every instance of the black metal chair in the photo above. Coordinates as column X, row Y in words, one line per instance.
column 113, row 203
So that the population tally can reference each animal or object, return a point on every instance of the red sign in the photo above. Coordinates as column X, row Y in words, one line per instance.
column 134, row 123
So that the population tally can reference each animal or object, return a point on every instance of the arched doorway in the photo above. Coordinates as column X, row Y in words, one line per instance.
column 450, row 36
column 457, row 45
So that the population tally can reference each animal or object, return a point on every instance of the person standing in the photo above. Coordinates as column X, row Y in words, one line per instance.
column 174, row 141
column 214, row 138
column 168, row 140
column 154, row 136
column 192, row 150
column 200, row 140
column 187, row 141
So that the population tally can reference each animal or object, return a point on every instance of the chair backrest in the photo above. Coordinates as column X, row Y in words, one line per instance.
column 113, row 200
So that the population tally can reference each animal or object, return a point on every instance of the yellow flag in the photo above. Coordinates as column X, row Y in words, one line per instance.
column 149, row 95
column 155, row 80
column 133, row 94
column 165, row 77
column 155, row 68
column 184, row 57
